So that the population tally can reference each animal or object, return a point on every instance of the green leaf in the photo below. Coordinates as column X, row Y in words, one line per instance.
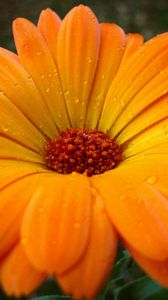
column 141, row 289
column 59, row 297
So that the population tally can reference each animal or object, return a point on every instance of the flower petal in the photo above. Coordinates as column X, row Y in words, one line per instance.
column 16, row 188
column 133, row 42
column 15, row 125
column 38, row 61
column 157, row 270
column 49, row 24
column 111, row 51
column 149, row 138
column 150, row 59
column 79, row 34
column 16, row 84
column 153, row 114
column 86, row 278
column 138, row 210
column 11, row 149
column 59, row 215
column 17, row 275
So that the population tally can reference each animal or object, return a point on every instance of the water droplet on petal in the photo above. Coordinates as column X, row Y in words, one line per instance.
column 151, row 180
column 76, row 100
column 39, row 52
column 47, row 90
column 42, row 76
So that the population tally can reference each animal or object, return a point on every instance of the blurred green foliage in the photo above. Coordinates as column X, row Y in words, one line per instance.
column 148, row 17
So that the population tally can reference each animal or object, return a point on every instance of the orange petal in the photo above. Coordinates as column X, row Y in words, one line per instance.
column 150, row 167
column 9, row 54
column 147, row 98
column 138, row 210
column 36, row 58
column 18, row 277
column 157, row 270
column 16, row 126
column 133, row 43
column 49, row 24
column 153, row 114
column 17, row 187
column 149, row 60
column 59, row 215
column 12, row 150
column 79, row 35
column 111, row 50
column 149, row 138
column 86, row 278
column 16, row 84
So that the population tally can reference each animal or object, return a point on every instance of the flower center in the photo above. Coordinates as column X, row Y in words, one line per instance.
column 83, row 151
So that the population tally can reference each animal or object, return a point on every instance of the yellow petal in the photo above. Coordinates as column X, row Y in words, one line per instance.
column 17, row 275
column 15, row 125
column 11, row 149
column 149, row 138
column 138, row 210
column 149, row 60
column 79, row 36
column 17, row 85
column 59, row 215
column 49, row 24
column 86, row 278
column 111, row 50
column 38, row 61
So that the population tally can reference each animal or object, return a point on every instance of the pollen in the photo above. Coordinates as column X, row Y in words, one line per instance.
column 83, row 151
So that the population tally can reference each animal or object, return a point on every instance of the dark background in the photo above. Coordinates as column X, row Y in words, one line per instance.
column 148, row 17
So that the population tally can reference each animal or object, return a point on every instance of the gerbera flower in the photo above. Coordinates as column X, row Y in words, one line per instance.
column 84, row 153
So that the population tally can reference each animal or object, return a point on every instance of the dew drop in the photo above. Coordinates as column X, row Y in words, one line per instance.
column 66, row 93
column 42, row 76
column 122, row 197
column 39, row 53
column 76, row 100
column 47, row 90
column 84, row 82
column 25, row 47
column 76, row 224
column 151, row 180
column 17, row 26
column 103, row 76
column 89, row 60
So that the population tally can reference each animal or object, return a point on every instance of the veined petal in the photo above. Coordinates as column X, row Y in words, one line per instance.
column 150, row 59
column 59, row 215
column 15, row 125
column 49, row 24
column 16, row 84
column 149, row 117
column 79, row 35
column 138, row 211
column 146, row 100
column 157, row 270
column 38, row 61
column 86, row 278
column 17, row 187
column 11, row 149
column 18, row 277
column 112, row 47
column 149, row 138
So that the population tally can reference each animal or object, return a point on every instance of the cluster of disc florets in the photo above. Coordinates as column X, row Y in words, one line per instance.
column 83, row 151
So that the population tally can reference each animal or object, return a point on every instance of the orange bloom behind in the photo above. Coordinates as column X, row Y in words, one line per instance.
column 61, row 215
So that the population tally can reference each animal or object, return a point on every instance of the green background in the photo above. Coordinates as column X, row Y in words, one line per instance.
column 148, row 17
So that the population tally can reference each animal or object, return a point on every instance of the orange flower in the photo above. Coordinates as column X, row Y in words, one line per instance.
column 84, row 153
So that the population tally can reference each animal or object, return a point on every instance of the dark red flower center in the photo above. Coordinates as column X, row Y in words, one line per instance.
column 83, row 151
